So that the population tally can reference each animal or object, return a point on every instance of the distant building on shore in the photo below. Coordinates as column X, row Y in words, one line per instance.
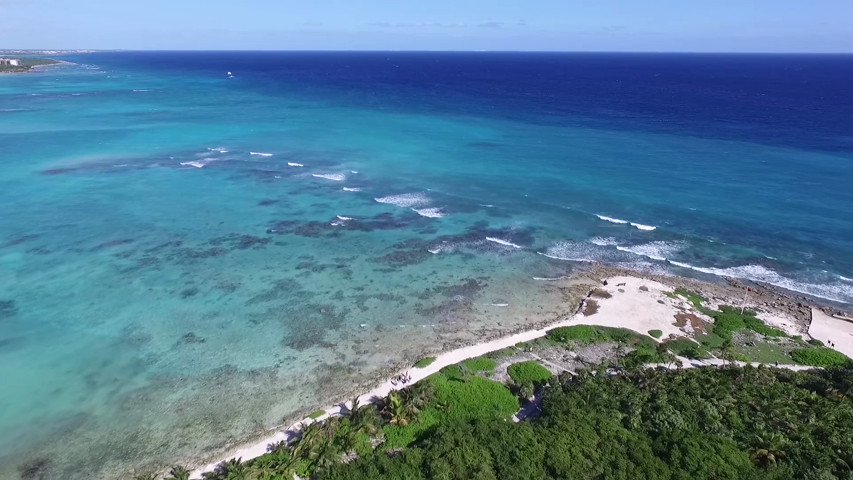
column 13, row 62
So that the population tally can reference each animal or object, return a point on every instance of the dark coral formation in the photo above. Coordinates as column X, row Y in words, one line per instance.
column 309, row 324
column 8, row 309
column 35, row 469
column 18, row 240
column 237, row 241
column 190, row 337
column 282, row 288
column 334, row 227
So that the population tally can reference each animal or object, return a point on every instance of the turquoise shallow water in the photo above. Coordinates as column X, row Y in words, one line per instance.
column 188, row 259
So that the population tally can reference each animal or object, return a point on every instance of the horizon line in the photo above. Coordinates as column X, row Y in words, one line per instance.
column 682, row 52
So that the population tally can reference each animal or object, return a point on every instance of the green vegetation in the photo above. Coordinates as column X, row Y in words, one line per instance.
column 764, row 353
column 686, row 347
column 815, row 342
column 317, row 414
column 424, row 362
column 479, row 364
column 455, row 396
column 27, row 64
column 655, row 333
column 731, row 423
column 586, row 334
column 820, row 357
column 528, row 372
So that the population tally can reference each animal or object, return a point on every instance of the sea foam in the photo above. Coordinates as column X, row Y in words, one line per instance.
column 837, row 292
column 429, row 212
column 643, row 227
column 611, row 219
column 337, row 177
column 654, row 250
column 293, row 164
column 503, row 242
column 351, row 189
column 405, row 200
column 260, row 154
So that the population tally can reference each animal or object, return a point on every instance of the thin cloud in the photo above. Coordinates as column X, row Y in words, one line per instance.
column 419, row 25
column 492, row 25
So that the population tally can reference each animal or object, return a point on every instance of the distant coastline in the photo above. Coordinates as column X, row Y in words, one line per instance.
column 27, row 64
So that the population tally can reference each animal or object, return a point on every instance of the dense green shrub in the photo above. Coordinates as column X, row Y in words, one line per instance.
column 528, row 372
column 686, row 347
column 586, row 334
column 815, row 342
column 820, row 357
column 655, row 333
column 702, row 423
column 457, row 398
column 424, row 362
column 480, row 364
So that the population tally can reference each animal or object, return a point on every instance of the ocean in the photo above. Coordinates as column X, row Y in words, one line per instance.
column 196, row 247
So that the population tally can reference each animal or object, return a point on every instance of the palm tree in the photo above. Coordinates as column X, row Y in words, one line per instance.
column 179, row 473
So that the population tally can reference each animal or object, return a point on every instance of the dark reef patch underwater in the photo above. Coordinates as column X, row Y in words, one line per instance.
column 189, row 259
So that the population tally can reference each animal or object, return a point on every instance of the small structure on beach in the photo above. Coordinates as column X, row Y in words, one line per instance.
column 12, row 62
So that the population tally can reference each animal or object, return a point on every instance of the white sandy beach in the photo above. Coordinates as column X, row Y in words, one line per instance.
column 830, row 329
column 635, row 303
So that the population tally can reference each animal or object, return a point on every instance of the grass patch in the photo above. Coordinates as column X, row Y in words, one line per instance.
column 815, row 342
column 692, row 297
column 655, row 333
column 729, row 320
column 686, row 347
column 317, row 414
column 820, row 357
column 480, row 364
column 586, row 334
column 458, row 398
column 424, row 362
column 764, row 352
column 528, row 372
column 710, row 341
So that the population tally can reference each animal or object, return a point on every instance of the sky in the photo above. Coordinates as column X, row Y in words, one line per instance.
column 561, row 25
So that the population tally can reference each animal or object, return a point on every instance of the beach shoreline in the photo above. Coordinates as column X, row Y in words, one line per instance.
column 778, row 309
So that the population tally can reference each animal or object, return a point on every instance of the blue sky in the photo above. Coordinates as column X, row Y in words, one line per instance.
column 594, row 25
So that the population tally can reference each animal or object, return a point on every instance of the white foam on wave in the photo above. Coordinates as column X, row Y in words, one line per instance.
column 759, row 273
column 842, row 277
column 293, row 164
column 503, row 242
column 351, row 189
column 640, row 226
column 548, row 279
column 570, row 251
column 499, row 304
column 337, row 177
column 429, row 212
column 603, row 242
column 342, row 218
column 405, row 200
column 611, row 219
column 260, row 154
column 194, row 163
column 654, row 250
column 218, row 150
column 442, row 247
column 141, row 90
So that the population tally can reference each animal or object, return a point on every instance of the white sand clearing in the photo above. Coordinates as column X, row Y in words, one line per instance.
column 783, row 322
column 640, row 310
column 629, row 307
column 831, row 329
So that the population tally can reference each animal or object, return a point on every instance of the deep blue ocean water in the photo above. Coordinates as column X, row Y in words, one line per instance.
column 188, row 257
